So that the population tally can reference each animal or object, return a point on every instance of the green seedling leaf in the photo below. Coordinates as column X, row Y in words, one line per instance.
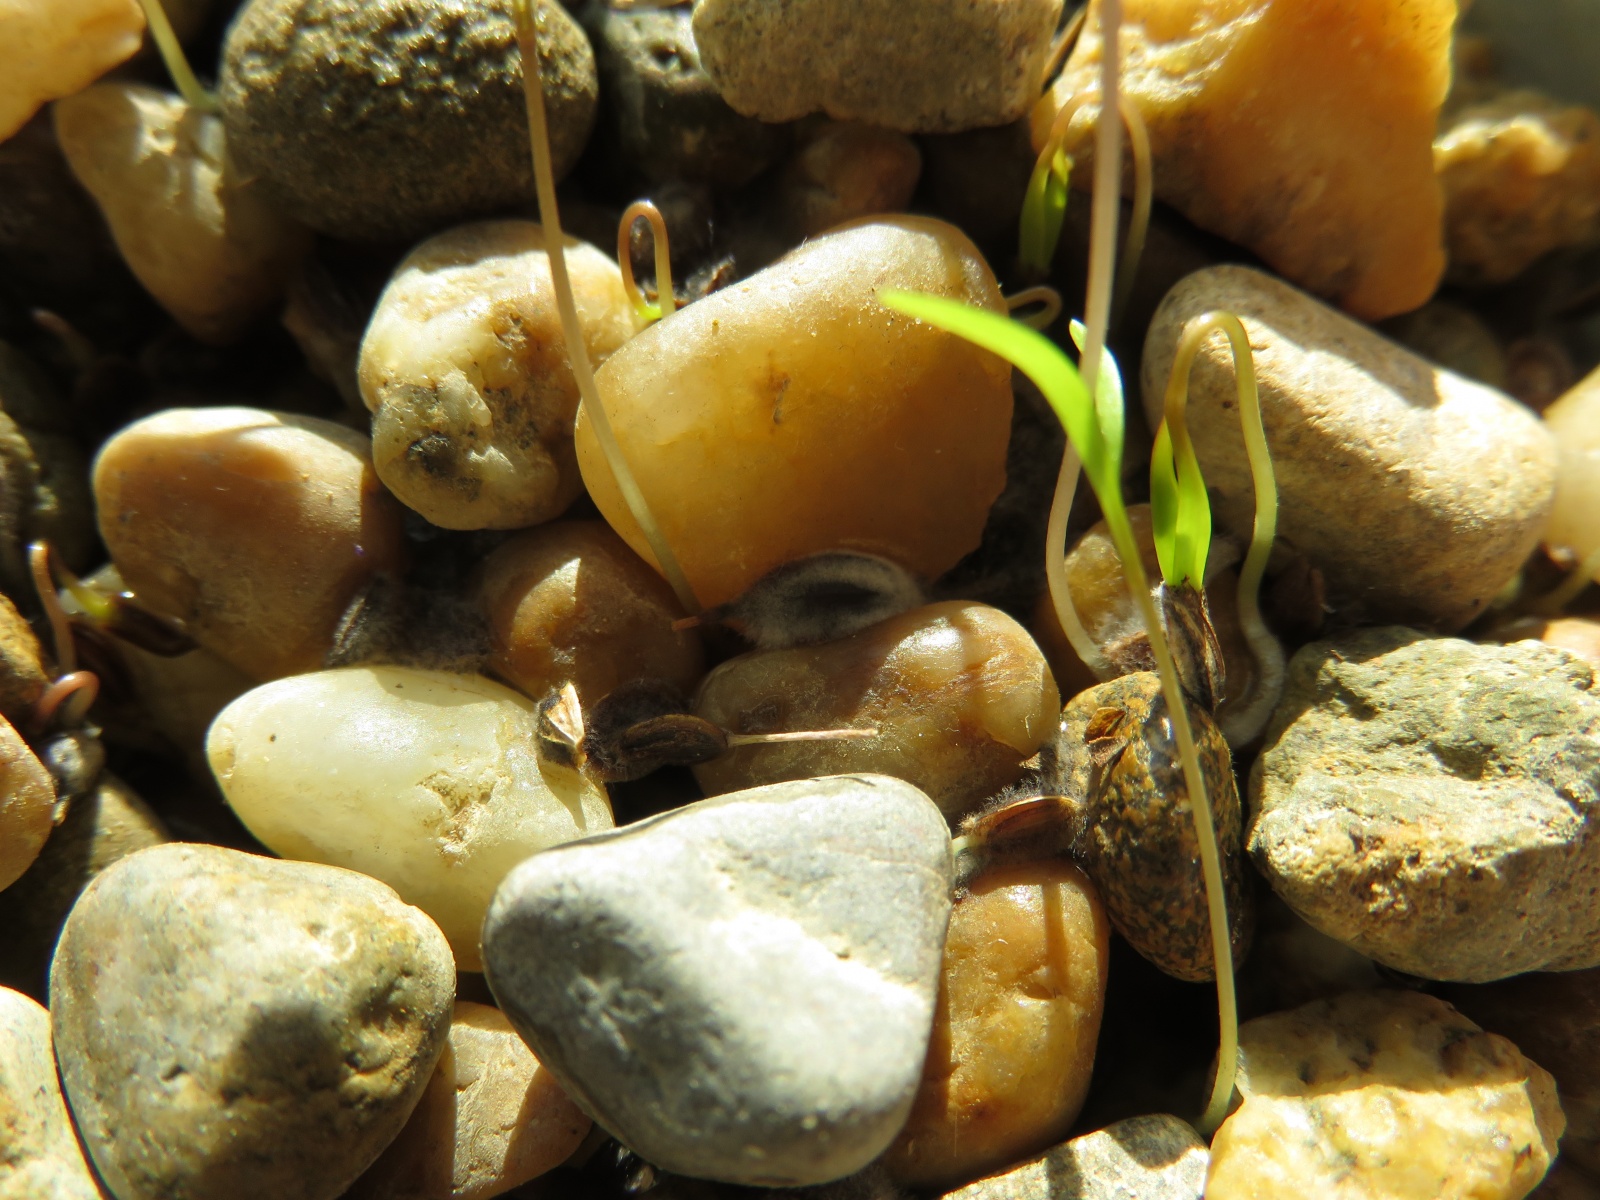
column 1044, row 209
column 1042, row 361
column 1109, row 408
column 1180, row 510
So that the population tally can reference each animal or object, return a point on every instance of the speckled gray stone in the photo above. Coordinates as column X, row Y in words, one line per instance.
column 229, row 1025
column 1431, row 803
column 666, row 117
column 933, row 66
column 742, row 989
column 390, row 119
column 1416, row 492
column 39, row 1157
column 1142, row 1158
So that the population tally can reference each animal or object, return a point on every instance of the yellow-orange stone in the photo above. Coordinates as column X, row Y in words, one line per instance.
column 254, row 528
column 1302, row 129
column 569, row 601
column 27, row 805
column 793, row 414
column 53, row 48
column 1015, row 1031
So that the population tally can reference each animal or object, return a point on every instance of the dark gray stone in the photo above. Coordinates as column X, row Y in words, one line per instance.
column 743, row 989
column 389, row 119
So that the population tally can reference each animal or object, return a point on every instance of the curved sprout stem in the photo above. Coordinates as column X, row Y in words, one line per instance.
column 1569, row 589
column 577, row 350
column 39, row 566
column 1039, row 294
column 1245, row 724
column 666, row 301
column 183, row 77
column 1055, row 569
column 70, row 698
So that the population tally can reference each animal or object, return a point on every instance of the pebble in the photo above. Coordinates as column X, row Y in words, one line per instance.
column 70, row 44
column 1015, row 1032
column 464, row 367
column 935, row 67
column 1521, row 177
column 41, row 1156
column 1120, row 762
column 1320, row 163
column 209, row 247
column 842, row 171
column 1555, row 1020
column 490, row 1119
column 665, row 116
column 1415, row 492
column 432, row 782
column 232, row 1025
column 1456, row 338
column 742, row 989
column 1391, row 1094
column 1154, row 1157
column 389, row 119
column 1579, row 635
column 569, row 602
column 27, row 805
column 42, row 498
column 255, row 529
column 1429, row 803
column 1574, row 421
column 22, row 673
column 108, row 824
column 791, row 414
column 959, row 693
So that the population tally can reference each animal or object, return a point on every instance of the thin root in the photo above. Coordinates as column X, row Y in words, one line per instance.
column 803, row 735
column 183, row 76
column 68, row 699
column 666, row 301
column 577, row 350
column 39, row 565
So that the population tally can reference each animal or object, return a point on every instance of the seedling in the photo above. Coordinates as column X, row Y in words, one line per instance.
column 577, row 351
column 177, row 63
column 1180, row 508
column 666, row 303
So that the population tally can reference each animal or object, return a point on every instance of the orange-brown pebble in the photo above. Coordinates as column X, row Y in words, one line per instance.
column 27, row 805
column 1302, row 129
column 958, row 692
column 569, row 602
column 1580, row 635
column 255, row 529
column 1015, row 1031
column 792, row 414
column 491, row 1118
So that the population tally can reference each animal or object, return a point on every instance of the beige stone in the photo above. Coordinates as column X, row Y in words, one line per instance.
column 1302, row 129
column 39, row 1156
column 69, row 44
column 1015, row 1032
column 844, row 171
column 22, row 673
column 430, row 781
column 1391, row 1094
column 202, row 239
column 464, row 367
column 959, row 693
column 1156, row 1157
column 256, row 529
column 1574, row 420
column 936, row 66
column 1521, row 177
column 490, row 1119
column 1418, row 494
column 792, row 414
column 570, row 602
column 27, row 805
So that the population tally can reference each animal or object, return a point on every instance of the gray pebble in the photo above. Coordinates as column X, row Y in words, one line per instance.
column 1430, row 803
column 936, row 66
column 742, row 989
column 389, row 119
column 1142, row 1158
column 239, row 1027
column 39, row 1157
column 1417, row 493
column 667, row 117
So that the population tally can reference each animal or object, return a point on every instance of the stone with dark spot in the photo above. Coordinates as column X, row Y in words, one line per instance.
column 1431, row 803
column 1143, row 1158
column 239, row 1026
column 388, row 119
